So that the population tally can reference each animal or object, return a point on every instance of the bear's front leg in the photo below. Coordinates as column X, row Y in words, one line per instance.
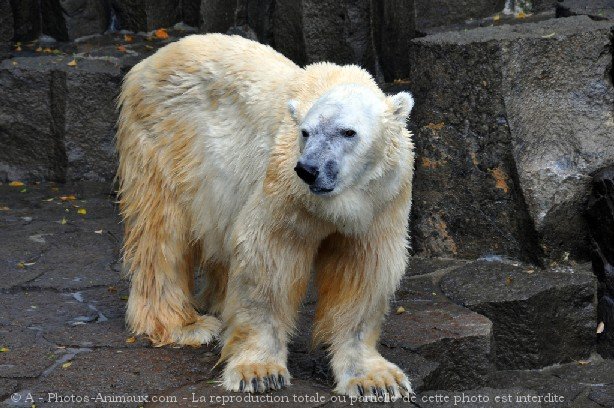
column 355, row 280
column 267, row 280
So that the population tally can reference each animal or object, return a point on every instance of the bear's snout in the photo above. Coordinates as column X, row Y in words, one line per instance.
column 307, row 173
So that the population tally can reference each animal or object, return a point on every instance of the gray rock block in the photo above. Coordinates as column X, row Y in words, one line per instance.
column 91, row 92
column 6, row 28
column 393, row 27
column 435, row 13
column 595, row 9
column 467, row 201
column 27, row 19
column 217, row 16
column 308, row 31
column 66, row 20
column 539, row 317
column 587, row 383
column 190, row 12
column 559, row 100
column 456, row 338
column 31, row 128
column 69, row 131
column 147, row 15
column 511, row 121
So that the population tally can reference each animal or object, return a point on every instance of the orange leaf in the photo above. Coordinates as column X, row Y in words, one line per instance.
column 16, row 184
column 121, row 48
column 161, row 34
column 72, row 63
column 128, row 38
column 68, row 198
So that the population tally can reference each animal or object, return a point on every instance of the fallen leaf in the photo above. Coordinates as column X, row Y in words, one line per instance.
column 4, row 349
column 21, row 265
column 508, row 280
column 18, row 48
column 29, row 263
column 63, row 221
column 128, row 38
column 23, row 190
column 98, row 232
column 16, row 184
column 549, row 35
column 47, row 50
column 72, row 63
column 4, row 209
column 66, row 365
column 121, row 48
column 81, row 211
column 497, row 17
column 530, row 270
column 436, row 126
column 149, row 47
column 521, row 15
column 49, row 199
column 401, row 81
column 68, row 198
column 131, row 339
column 600, row 327
column 161, row 34
column 583, row 362
column 39, row 49
column 125, row 297
column 400, row 310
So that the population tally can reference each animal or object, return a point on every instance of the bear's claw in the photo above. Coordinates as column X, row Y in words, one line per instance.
column 385, row 381
column 255, row 377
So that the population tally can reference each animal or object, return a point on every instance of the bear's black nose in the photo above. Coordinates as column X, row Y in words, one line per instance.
column 307, row 173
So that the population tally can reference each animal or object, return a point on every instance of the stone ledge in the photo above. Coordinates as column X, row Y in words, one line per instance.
column 539, row 317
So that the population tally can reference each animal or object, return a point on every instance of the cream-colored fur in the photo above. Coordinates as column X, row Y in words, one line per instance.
column 208, row 137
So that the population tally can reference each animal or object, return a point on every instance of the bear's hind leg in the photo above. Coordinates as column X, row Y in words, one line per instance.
column 159, row 260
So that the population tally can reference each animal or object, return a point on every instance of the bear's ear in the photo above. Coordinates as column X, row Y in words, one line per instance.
column 293, row 109
column 402, row 104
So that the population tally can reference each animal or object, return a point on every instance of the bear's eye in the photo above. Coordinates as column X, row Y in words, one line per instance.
column 305, row 133
column 349, row 133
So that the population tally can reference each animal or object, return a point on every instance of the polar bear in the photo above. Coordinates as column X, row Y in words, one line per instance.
column 236, row 162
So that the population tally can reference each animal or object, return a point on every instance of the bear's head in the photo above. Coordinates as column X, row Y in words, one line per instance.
column 345, row 136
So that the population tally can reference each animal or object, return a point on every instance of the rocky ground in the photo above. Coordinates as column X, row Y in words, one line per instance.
column 483, row 331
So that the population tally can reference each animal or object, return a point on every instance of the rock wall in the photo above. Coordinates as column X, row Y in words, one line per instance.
column 511, row 125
